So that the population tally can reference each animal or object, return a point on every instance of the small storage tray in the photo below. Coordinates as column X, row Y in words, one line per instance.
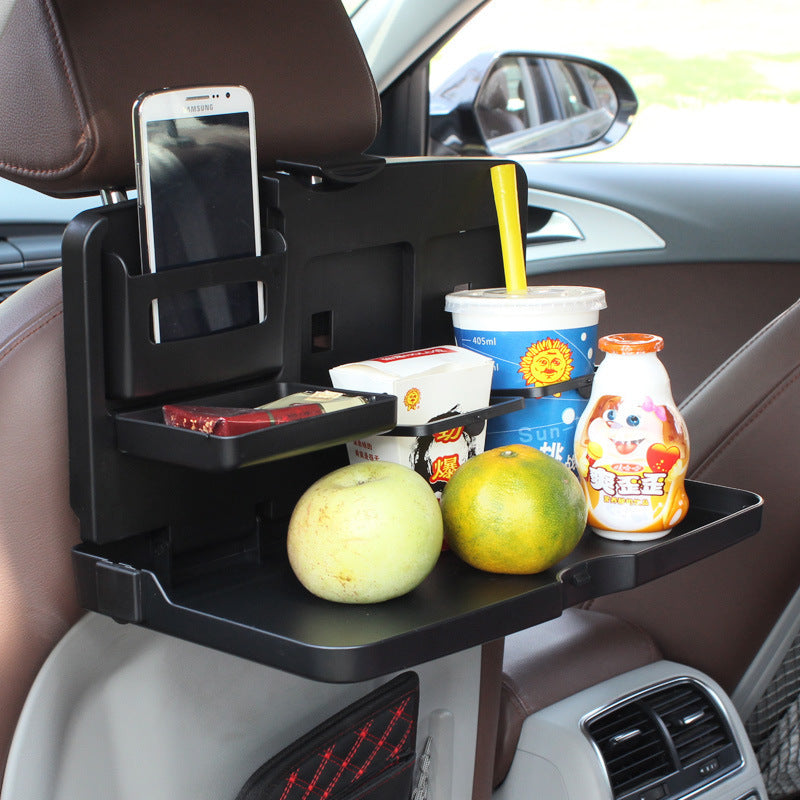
column 144, row 433
column 261, row 612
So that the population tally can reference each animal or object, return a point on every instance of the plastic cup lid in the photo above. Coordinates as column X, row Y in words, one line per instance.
column 537, row 300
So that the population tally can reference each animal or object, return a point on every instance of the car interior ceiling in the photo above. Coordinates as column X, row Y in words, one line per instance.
column 714, row 615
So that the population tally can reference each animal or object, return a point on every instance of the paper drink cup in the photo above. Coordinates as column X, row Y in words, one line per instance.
column 540, row 337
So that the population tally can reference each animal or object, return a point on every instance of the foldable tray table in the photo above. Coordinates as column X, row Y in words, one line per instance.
column 184, row 532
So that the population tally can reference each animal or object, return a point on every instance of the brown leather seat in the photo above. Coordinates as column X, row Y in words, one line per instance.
column 495, row 118
column 37, row 527
column 71, row 70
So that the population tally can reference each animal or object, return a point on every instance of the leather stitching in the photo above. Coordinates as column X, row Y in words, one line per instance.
column 7, row 350
column 85, row 141
column 514, row 695
column 743, row 426
column 746, row 347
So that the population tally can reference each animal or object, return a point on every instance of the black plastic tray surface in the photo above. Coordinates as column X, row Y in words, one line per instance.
column 263, row 613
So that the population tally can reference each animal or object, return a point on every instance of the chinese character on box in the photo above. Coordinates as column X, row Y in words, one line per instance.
column 430, row 385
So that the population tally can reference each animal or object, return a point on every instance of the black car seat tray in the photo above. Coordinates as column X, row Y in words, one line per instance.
column 184, row 532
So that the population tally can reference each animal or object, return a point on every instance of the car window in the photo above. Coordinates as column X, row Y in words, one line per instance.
column 731, row 96
column 20, row 204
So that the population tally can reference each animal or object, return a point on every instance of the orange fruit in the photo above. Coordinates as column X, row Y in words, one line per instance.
column 513, row 510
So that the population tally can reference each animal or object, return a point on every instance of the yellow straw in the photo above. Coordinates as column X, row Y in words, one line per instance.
column 504, row 183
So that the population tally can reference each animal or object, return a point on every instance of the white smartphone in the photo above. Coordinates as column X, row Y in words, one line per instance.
column 197, row 184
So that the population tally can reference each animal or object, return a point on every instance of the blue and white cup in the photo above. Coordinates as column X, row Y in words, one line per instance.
column 539, row 338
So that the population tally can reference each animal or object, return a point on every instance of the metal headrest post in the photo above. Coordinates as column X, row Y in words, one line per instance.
column 112, row 196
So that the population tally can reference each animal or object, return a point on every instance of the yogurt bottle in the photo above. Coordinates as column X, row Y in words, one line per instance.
column 631, row 443
column 539, row 338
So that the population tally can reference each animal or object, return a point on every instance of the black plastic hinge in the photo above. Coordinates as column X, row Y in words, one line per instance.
column 109, row 588
column 339, row 170
column 119, row 591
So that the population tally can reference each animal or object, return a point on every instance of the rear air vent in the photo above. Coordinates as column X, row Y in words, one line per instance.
column 674, row 738
column 633, row 748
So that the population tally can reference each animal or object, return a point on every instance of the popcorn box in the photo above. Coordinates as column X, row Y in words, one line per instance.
column 430, row 385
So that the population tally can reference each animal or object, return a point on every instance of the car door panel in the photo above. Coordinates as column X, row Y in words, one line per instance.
column 729, row 263
column 706, row 256
column 704, row 311
column 703, row 213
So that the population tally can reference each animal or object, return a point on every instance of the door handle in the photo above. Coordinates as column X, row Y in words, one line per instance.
column 558, row 228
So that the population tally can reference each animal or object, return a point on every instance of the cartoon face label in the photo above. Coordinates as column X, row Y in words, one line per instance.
column 546, row 362
column 624, row 429
column 632, row 455
column 412, row 399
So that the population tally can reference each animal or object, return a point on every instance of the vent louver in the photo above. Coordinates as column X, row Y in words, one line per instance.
column 675, row 737
column 693, row 721
column 632, row 747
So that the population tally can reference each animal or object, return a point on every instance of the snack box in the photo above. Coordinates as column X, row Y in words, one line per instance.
column 430, row 385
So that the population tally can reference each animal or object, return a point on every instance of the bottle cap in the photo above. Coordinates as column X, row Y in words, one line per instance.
column 631, row 343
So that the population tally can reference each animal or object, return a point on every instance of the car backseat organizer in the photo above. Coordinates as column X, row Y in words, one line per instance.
column 184, row 532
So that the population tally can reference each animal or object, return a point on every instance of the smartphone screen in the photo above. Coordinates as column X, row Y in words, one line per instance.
column 201, row 189
column 199, row 204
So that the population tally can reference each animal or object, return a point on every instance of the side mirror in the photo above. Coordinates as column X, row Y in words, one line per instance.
column 530, row 103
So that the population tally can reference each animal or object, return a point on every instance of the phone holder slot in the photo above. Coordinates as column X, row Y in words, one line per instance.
column 138, row 367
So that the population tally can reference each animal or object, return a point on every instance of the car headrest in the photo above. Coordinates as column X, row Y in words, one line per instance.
column 71, row 70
